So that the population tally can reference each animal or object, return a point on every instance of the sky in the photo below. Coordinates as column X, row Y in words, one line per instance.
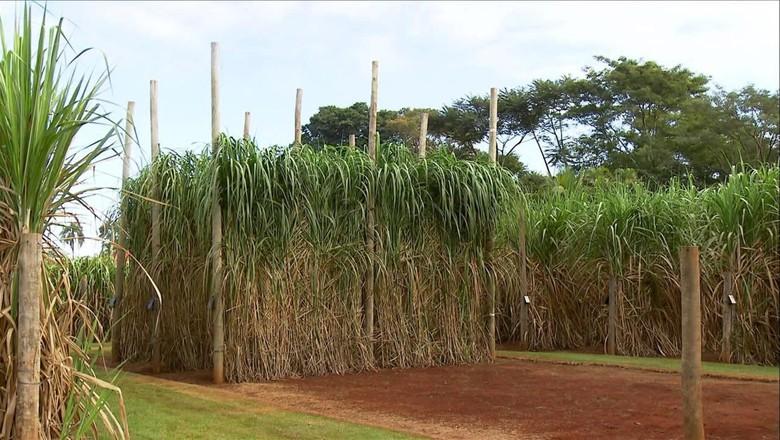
column 429, row 54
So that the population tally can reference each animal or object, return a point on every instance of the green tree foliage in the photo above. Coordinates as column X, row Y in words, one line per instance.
column 750, row 119
column 463, row 125
column 623, row 114
column 332, row 125
column 108, row 231
column 72, row 234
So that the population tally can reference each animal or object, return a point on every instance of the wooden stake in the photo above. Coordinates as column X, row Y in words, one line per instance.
column 247, row 121
column 298, row 103
column 492, row 151
column 28, row 362
column 368, row 306
column 83, row 286
column 693, row 424
column 423, row 134
column 119, row 280
column 373, row 110
column 728, row 316
column 489, row 250
column 218, row 342
column 155, row 138
column 612, row 318
column 524, row 306
column 352, row 141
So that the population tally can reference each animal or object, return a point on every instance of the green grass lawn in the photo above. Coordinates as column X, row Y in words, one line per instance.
column 739, row 371
column 157, row 411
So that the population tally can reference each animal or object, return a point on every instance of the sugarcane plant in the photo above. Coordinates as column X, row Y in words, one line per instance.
column 44, row 104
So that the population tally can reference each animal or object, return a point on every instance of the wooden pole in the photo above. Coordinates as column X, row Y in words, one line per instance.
column 373, row 110
column 693, row 424
column 247, row 122
column 218, row 342
column 352, row 141
column 298, row 103
column 28, row 362
column 155, row 139
column 368, row 306
column 525, row 298
column 489, row 251
column 119, row 280
column 83, row 286
column 423, row 134
column 728, row 316
column 612, row 318
column 492, row 151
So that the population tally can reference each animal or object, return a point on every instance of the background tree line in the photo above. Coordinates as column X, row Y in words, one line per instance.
column 624, row 117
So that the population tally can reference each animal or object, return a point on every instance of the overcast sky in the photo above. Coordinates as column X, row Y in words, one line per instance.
column 429, row 54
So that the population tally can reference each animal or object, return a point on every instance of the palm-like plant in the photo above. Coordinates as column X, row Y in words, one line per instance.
column 108, row 232
column 44, row 103
column 72, row 234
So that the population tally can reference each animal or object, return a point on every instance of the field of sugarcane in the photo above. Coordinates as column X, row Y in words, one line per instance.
column 296, row 258
column 579, row 237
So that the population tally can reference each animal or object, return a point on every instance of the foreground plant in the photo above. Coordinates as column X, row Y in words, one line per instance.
column 44, row 103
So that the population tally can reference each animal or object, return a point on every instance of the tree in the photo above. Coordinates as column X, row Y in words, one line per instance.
column 72, row 234
column 462, row 125
column 108, row 231
column 466, row 122
column 332, row 125
column 633, row 110
column 404, row 127
column 554, row 107
column 752, row 122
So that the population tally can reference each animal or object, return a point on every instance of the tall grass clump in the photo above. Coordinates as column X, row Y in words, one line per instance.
column 295, row 254
column 92, row 283
column 579, row 236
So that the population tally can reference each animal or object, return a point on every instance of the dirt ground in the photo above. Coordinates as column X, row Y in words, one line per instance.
column 520, row 399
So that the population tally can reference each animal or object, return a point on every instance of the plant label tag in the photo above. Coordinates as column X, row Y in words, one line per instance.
column 527, row 299
column 732, row 300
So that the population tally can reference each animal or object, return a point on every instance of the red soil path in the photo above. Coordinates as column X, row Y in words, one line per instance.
column 519, row 399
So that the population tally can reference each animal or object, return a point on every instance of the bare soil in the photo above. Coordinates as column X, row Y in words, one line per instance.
column 518, row 399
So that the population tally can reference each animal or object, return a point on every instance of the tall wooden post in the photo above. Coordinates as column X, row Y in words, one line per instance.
column 119, row 280
column 368, row 306
column 525, row 298
column 423, row 134
column 352, row 141
column 492, row 153
column 155, row 140
column 612, row 317
column 693, row 424
column 28, row 342
column 298, row 103
column 373, row 110
column 218, row 331
column 727, row 307
column 247, row 122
